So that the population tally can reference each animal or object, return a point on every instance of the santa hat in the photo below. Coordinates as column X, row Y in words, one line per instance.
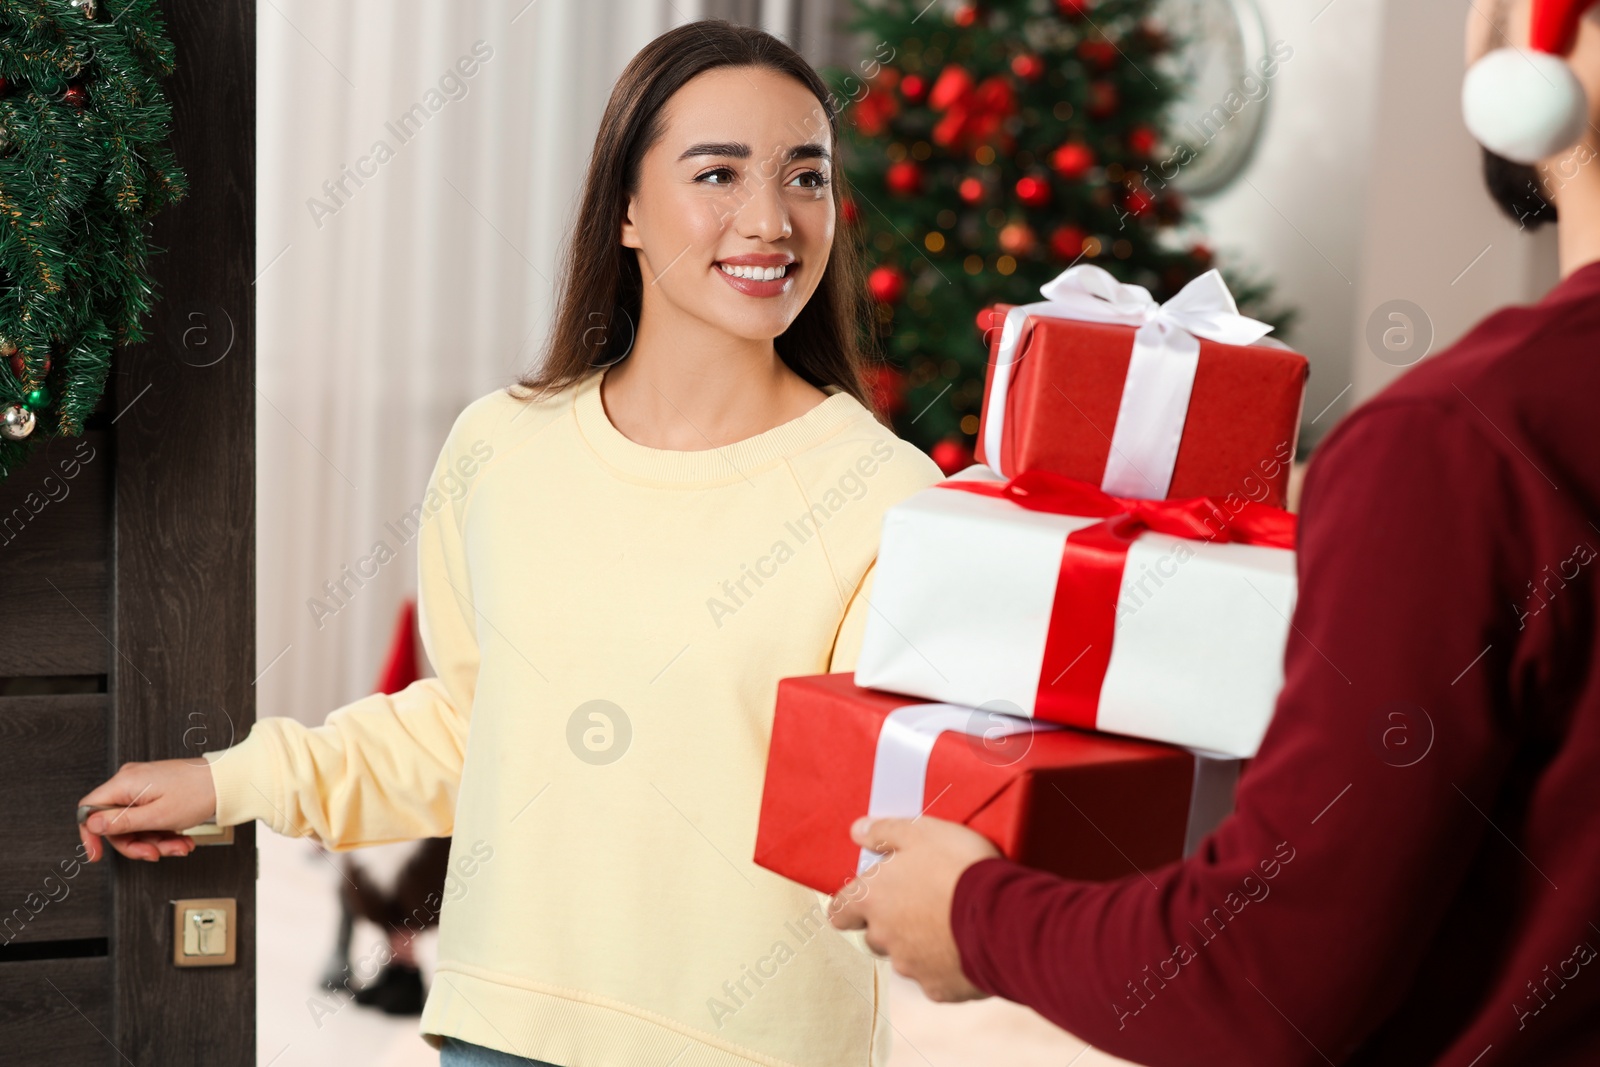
column 1525, row 103
column 400, row 667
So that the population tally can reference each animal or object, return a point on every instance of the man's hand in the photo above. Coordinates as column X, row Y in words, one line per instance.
column 903, row 901
column 153, row 800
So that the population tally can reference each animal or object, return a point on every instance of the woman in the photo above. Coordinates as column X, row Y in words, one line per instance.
column 619, row 558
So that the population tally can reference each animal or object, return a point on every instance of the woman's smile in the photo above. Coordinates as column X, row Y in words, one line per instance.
column 759, row 275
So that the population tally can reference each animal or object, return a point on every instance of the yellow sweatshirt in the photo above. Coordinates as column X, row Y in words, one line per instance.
column 609, row 623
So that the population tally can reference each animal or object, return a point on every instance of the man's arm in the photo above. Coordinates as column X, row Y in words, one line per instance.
column 1299, row 924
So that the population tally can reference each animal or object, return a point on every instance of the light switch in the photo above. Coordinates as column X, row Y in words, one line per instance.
column 204, row 932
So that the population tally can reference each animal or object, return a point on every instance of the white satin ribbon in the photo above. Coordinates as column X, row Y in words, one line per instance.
column 900, row 763
column 905, row 744
column 1166, row 352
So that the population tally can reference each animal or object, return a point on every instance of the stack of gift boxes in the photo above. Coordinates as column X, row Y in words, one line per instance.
column 1073, row 643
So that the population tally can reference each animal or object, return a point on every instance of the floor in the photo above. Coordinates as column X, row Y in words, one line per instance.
column 302, row 1025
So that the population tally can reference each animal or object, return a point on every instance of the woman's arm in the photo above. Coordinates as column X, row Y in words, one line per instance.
column 384, row 768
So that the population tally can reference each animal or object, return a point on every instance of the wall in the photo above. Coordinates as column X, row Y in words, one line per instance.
column 1365, row 189
column 400, row 299
column 1293, row 217
column 1431, row 235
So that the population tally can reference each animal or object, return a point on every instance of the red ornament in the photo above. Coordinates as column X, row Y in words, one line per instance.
column 965, row 15
column 888, row 388
column 75, row 96
column 1201, row 254
column 1072, row 160
column 1067, row 242
column 1140, row 203
column 19, row 365
column 1074, row 9
column 904, row 178
column 951, row 455
column 970, row 190
column 1099, row 54
column 1017, row 238
column 974, row 114
column 1032, row 191
column 950, row 86
column 848, row 211
column 888, row 78
column 912, row 87
column 886, row 284
column 1103, row 100
column 873, row 111
column 989, row 319
column 1027, row 66
column 1143, row 140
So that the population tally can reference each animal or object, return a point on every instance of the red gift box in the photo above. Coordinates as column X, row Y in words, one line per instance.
column 1078, row 804
column 1065, row 392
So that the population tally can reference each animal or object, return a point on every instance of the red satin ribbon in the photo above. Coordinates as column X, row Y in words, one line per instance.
column 1083, row 616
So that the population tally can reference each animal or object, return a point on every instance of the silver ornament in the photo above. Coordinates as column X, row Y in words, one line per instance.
column 16, row 423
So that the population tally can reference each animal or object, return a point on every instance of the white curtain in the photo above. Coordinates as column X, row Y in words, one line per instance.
column 385, row 306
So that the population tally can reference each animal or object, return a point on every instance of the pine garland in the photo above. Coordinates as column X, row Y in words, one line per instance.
column 978, row 97
column 84, row 166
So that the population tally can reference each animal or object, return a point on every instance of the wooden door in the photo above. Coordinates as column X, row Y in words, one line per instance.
column 127, row 563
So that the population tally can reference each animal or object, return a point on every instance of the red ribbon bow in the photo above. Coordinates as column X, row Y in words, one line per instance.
column 1199, row 518
column 1083, row 615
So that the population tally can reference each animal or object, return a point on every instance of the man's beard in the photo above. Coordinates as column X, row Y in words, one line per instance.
column 1515, row 187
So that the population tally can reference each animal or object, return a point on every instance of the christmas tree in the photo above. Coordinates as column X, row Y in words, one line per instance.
column 84, row 164
column 991, row 146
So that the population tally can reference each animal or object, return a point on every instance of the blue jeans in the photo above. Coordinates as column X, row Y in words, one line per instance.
column 458, row 1053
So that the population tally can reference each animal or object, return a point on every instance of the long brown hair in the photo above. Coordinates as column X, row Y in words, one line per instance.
column 600, row 291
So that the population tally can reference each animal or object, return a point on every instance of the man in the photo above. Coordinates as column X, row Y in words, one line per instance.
column 1412, row 871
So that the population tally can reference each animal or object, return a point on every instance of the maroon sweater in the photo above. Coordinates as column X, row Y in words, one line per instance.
column 1412, row 871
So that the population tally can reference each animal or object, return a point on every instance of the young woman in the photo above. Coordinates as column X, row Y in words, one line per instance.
column 619, row 558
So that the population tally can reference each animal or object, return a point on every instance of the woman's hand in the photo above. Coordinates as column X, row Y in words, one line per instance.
column 153, row 800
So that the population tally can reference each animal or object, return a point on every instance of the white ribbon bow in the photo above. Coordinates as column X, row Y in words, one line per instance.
column 1166, row 352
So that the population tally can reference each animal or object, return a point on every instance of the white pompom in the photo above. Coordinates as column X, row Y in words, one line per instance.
column 1524, row 105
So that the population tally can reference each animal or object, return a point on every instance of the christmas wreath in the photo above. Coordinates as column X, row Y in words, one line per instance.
column 84, row 165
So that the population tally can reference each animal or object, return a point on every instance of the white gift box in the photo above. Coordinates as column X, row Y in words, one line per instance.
column 964, row 598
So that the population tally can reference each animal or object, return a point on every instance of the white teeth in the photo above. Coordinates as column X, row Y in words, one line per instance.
column 760, row 274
